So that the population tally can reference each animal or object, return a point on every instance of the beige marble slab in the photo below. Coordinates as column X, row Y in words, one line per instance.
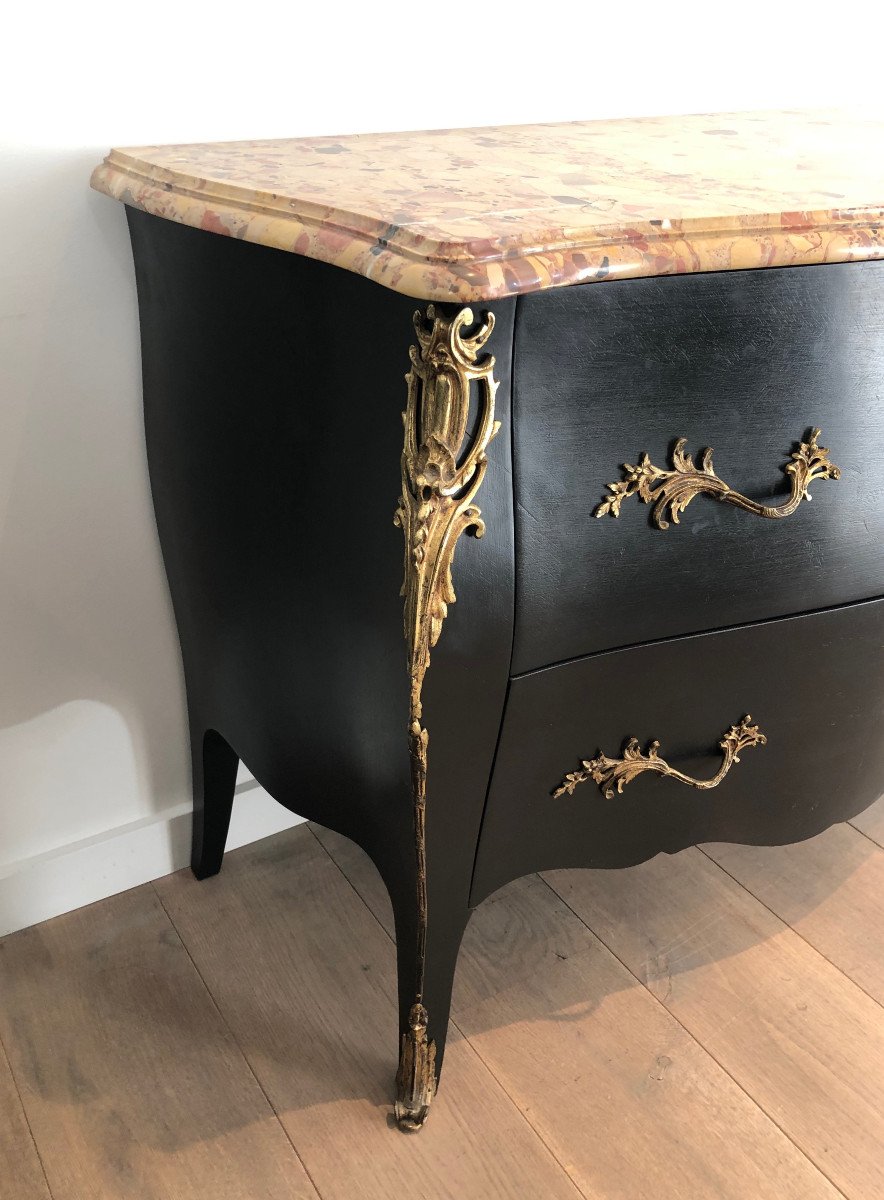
column 478, row 214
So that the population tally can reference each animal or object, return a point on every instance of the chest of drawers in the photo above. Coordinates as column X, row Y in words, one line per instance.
column 597, row 304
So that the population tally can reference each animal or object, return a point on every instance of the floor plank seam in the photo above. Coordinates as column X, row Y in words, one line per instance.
column 867, row 836
column 236, row 1042
column 27, row 1119
column 785, row 924
column 475, row 1049
column 466, row 1039
column 697, row 1041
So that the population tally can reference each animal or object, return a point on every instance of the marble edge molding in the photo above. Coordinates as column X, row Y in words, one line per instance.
column 729, row 243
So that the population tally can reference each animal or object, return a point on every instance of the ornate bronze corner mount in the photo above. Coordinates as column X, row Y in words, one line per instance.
column 440, row 478
column 612, row 774
column 675, row 489
column 443, row 465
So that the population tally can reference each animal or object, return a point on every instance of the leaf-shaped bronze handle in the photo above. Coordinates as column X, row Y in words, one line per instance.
column 613, row 774
column 674, row 490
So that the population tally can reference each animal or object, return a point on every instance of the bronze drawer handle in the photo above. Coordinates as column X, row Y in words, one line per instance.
column 612, row 774
column 675, row 489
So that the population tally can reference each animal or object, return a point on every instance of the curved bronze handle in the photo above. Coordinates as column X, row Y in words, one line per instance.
column 614, row 773
column 675, row 489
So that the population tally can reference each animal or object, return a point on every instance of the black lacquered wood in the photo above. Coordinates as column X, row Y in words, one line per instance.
column 814, row 685
column 273, row 389
column 742, row 361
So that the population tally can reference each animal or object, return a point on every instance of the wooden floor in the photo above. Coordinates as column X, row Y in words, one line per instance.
column 706, row 1025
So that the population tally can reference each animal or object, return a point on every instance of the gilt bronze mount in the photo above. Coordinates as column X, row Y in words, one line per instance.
column 612, row 774
column 673, row 490
column 442, row 471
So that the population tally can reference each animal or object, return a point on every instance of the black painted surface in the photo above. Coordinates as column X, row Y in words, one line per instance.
column 814, row 685
column 743, row 361
column 273, row 389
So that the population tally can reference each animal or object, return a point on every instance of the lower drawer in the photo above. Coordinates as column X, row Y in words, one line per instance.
column 814, row 685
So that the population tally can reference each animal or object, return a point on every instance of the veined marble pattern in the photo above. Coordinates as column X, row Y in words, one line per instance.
column 477, row 214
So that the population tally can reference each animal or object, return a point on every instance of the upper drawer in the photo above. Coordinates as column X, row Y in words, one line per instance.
column 745, row 362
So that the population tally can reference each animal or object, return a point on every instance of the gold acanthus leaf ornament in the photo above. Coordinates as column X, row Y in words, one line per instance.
column 443, row 465
column 674, row 490
column 439, row 479
column 613, row 774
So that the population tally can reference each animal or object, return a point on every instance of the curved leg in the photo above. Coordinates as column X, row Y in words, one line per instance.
column 443, row 465
column 424, row 1003
column 214, row 783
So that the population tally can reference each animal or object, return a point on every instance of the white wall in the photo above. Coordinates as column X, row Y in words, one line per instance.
column 94, row 776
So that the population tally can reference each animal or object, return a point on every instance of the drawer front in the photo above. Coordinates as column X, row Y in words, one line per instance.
column 745, row 362
column 814, row 686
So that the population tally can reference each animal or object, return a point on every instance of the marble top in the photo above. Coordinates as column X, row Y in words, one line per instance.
column 477, row 214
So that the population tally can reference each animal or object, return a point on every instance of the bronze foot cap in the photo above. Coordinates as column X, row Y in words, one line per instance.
column 416, row 1077
column 410, row 1119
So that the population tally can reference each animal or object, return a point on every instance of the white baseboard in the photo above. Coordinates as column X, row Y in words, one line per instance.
column 34, row 889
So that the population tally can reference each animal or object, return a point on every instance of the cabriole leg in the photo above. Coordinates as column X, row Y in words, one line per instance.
column 214, row 783
column 424, row 1005
column 442, row 471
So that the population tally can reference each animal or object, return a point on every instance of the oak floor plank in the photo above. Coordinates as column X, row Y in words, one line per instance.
column 871, row 822
column 803, row 1040
column 304, row 975
column 627, row 1100
column 519, row 931
column 133, row 1086
column 830, row 889
column 21, row 1175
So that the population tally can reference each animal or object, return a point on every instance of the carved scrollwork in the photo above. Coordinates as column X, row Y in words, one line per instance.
column 439, row 479
column 443, row 466
column 613, row 774
column 673, row 490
